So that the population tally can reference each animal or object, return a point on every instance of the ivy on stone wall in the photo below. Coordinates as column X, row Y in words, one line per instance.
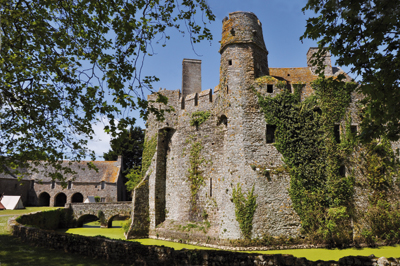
column 305, row 137
column 199, row 117
column 380, row 166
column 195, row 174
column 245, row 207
column 150, row 146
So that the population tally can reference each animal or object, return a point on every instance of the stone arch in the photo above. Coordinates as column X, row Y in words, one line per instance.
column 118, row 216
column 86, row 218
column 60, row 200
column 44, row 199
column 77, row 197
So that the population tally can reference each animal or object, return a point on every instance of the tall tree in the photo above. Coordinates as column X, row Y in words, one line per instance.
column 129, row 144
column 60, row 59
column 365, row 36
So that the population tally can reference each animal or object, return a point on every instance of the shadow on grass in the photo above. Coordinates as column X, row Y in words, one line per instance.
column 14, row 252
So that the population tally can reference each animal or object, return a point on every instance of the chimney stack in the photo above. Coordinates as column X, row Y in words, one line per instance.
column 191, row 76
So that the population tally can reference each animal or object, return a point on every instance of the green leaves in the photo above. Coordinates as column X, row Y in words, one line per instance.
column 245, row 207
column 60, row 59
column 365, row 36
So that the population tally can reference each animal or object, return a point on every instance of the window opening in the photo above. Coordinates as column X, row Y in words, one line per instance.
column 103, row 200
column 229, row 62
column 336, row 132
column 53, row 184
column 342, row 171
column 353, row 129
column 210, row 187
column 69, row 184
column 183, row 103
column 271, row 133
column 233, row 32
column 103, row 184
column 270, row 88
column 222, row 120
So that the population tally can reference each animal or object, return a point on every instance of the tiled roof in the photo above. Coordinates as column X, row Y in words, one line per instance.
column 108, row 171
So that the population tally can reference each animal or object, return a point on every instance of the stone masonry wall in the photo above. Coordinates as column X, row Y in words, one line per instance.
column 233, row 148
column 137, row 254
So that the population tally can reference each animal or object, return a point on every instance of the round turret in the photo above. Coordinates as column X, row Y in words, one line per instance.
column 242, row 27
column 243, row 53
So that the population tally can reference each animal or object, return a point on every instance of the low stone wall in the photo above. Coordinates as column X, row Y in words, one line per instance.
column 137, row 254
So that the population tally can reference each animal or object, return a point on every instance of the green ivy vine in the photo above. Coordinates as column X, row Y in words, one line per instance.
column 245, row 207
column 195, row 174
column 380, row 166
column 199, row 117
column 149, row 149
column 305, row 137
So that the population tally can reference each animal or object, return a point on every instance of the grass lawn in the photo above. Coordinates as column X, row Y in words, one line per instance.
column 15, row 252
column 93, row 229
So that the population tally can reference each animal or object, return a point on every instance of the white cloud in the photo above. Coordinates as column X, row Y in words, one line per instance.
column 101, row 140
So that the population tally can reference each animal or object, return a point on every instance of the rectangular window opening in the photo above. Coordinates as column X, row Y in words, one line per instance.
column 210, row 187
column 270, row 88
column 336, row 132
column 353, row 129
column 342, row 171
column 53, row 184
column 103, row 200
column 103, row 184
column 271, row 133
column 69, row 184
column 229, row 62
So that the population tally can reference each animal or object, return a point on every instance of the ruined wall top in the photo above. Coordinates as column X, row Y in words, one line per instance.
column 242, row 27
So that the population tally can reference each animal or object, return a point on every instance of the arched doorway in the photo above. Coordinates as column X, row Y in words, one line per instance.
column 77, row 197
column 60, row 200
column 44, row 199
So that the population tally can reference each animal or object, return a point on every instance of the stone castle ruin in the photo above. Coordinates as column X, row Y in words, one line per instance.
column 214, row 143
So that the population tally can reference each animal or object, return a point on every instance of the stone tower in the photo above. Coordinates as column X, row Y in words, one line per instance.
column 244, row 56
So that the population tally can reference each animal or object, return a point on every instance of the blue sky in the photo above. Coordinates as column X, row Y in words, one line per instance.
column 283, row 23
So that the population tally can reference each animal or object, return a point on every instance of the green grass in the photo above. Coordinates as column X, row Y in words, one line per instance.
column 93, row 229
column 15, row 252
column 117, row 232
column 336, row 254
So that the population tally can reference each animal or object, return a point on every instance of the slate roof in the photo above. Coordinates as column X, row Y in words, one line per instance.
column 108, row 171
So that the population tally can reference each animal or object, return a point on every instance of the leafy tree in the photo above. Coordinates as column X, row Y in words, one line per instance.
column 365, row 36
column 60, row 59
column 129, row 144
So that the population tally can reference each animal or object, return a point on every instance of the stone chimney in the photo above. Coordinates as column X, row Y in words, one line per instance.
column 327, row 61
column 191, row 76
